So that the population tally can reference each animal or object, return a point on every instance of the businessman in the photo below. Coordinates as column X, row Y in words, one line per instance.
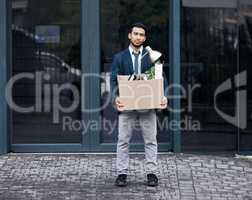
column 127, row 62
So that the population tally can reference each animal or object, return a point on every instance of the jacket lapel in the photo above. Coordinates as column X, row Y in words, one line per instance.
column 128, row 61
column 145, row 61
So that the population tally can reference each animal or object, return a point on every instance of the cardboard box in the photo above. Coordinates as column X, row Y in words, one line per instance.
column 140, row 94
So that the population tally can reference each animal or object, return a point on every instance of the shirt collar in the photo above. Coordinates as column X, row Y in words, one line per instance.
column 131, row 50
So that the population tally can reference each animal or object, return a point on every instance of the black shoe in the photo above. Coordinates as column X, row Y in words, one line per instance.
column 152, row 180
column 121, row 180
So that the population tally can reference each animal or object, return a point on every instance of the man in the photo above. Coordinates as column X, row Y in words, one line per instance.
column 129, row 62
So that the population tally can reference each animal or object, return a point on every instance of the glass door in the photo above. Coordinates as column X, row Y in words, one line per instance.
column 115, row 18
column 245, row 60
column 209, row 59
column 61, row 68
column 46, row 72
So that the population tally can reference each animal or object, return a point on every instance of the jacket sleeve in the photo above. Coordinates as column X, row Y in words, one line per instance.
column 113, row 78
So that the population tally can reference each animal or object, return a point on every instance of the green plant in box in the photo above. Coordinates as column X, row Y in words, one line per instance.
column 150, row 73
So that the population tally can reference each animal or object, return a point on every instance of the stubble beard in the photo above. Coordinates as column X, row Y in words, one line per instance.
column 136, row 46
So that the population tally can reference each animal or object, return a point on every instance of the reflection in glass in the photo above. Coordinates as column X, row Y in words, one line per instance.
column 245, row 60
column 116, row 16
column 45, row 41
column 209, row 57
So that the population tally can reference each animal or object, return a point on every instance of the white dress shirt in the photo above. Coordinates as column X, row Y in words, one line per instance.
column 133, row 57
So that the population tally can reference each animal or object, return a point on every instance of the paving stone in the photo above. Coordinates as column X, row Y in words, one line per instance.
column 181, row 176
column 222, row 166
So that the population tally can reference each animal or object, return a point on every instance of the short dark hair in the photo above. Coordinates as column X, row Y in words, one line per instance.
column 138, row 25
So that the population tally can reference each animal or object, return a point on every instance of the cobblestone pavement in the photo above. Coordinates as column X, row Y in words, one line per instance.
column 81, row 176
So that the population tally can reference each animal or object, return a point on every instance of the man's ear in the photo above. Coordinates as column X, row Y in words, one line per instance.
column 129, row 36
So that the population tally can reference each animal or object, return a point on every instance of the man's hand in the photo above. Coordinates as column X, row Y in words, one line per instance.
column 119, row 104
column 164, row 102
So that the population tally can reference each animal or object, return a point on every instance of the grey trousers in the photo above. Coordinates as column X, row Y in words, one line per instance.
column 148, row 125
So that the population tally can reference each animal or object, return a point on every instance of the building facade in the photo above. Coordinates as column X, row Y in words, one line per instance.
column 55, row 64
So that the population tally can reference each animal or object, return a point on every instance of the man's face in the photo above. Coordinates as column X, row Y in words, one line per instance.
column 137, row 36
